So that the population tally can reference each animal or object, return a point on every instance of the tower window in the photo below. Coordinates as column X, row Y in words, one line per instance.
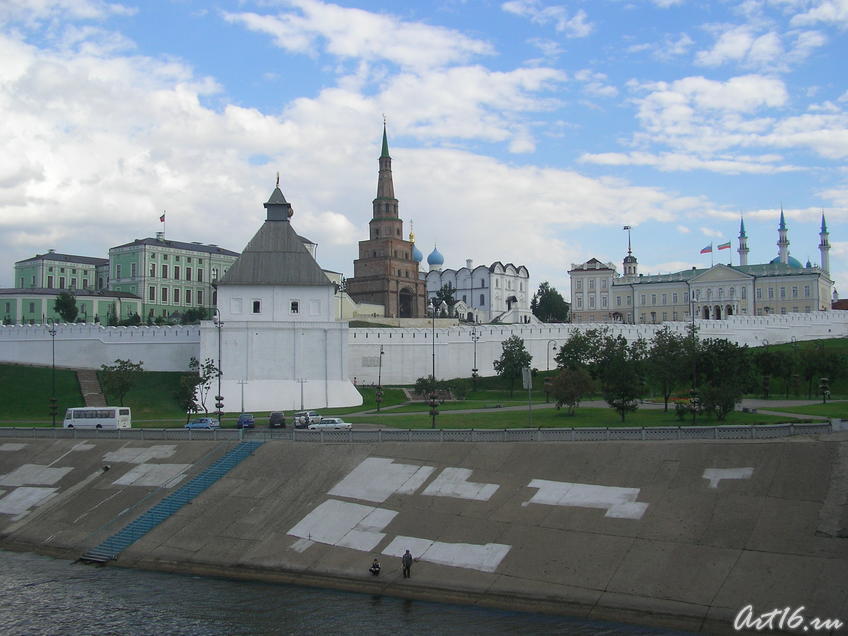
column 294, row 307
column 257, row 307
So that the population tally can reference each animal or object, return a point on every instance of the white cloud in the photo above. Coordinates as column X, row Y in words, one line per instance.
column 710, row 232
column 362, row 35
column 595, row 83
column 571, row 25
column 741, row 44
column 33, row 12
column 673, row 162
column 827, row 11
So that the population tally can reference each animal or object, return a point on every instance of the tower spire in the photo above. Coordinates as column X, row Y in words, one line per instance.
column 824, row 246
column 630, row 263
column 743, row 243
column 783, row 239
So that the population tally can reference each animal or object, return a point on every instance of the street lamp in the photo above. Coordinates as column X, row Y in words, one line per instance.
column 434, row 402
column 475, row 336
column 548, row 350
column 219, row 399
column 378, row 395
column 53, row 406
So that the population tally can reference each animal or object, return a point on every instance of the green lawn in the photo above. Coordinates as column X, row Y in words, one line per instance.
column 153, row 401
column 831, row 409
column 27, row 391
column 552, row 418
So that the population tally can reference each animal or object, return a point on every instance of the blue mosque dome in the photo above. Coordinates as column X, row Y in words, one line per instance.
column 435, row 257
column 417, row 256
column 793, row 262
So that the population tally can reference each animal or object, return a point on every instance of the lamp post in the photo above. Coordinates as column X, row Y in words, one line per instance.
column 434, row 402
column 219, row 399
column 548, row 349
column 378, row 395
column 475, row 336
column 53, row 405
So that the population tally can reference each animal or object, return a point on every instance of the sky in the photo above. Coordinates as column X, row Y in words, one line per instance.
column 521, row 131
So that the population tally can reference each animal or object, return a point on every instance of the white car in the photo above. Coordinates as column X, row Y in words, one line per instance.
column 334, row 423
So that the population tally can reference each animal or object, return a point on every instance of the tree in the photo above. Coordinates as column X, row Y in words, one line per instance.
column 66, row 306
column 668, row 362
column 548, row 305
column 513, row 359
column 725, row 374
column 206, row 372
column 187, row 393
column 445, row 294
column 570, row 386
column 620, row 368
column 581, row 350
column 117, row 379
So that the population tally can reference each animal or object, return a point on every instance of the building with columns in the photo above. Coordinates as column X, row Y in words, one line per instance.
column 600, row 294
column 386, row 273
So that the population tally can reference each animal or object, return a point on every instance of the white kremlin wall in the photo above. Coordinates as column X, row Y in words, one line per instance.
column 407, row 352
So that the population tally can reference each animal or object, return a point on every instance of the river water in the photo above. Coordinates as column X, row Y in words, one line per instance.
column 42, row 595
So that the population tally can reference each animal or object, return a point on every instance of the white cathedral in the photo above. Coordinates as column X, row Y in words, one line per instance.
column 600, row 294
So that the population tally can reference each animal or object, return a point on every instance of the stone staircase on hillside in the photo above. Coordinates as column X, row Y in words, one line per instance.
column 90, row 387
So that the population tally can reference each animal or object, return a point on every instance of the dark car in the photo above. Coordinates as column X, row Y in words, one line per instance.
column 246, row 420
column 277, row 419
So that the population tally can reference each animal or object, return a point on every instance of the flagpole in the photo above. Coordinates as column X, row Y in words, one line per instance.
column 711, row 255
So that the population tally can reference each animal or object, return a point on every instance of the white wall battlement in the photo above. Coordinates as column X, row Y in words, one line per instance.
column 87, row 346
column 407, row 352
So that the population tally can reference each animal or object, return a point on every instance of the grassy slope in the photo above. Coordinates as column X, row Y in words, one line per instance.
column 27, row 391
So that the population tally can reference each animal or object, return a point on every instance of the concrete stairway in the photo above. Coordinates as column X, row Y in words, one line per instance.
column 90, row 387
column 137, row 528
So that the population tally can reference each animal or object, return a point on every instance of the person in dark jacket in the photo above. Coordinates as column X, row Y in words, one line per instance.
column 375, row 568
column 406, row 560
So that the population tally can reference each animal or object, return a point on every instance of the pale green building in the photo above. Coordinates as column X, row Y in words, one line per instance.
column 170, row 277
column 62, row 271
column 35, row 306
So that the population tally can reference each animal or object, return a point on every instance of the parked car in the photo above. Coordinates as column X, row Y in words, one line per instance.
column 246, row 420
column 302, row 419
column 277, row 419
column 203, row 422
column 334, row 423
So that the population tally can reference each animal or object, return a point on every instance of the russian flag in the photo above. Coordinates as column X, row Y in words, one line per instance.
column 162, row 218
column 707, row 249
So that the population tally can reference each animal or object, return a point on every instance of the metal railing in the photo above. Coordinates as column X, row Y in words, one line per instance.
column 575, row 434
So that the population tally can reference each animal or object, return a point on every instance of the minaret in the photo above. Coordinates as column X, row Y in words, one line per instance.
column 743, row 244
column 630, row 263
column 783, row 240
column 824, row 246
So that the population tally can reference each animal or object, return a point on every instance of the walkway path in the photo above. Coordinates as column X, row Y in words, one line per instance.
column 90, row 387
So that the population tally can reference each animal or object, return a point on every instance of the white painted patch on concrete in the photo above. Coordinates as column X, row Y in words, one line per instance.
column 484, row 558
column 715, row 475
column 167, row 475
column 82, row 446
column 141, row 455
column 377, row 478
column 617, row 501
column 35, row 475
column 20, row 500
column 453, row 482
column 301, row 545
column 9, row 447
column 344, row 524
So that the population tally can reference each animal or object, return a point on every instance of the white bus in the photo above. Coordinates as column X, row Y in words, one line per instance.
column 98, row 417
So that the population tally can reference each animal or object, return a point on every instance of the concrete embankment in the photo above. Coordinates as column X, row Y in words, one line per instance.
column 680, row 534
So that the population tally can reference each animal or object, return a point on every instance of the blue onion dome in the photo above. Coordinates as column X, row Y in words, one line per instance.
column 793, row 262
column 435, row 257
column 417, row 256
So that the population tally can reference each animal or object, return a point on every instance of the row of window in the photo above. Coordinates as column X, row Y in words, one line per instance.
column 176, row 258
column 175, row 295
column 164, row 271
column 782, row 292
column 578, row 284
